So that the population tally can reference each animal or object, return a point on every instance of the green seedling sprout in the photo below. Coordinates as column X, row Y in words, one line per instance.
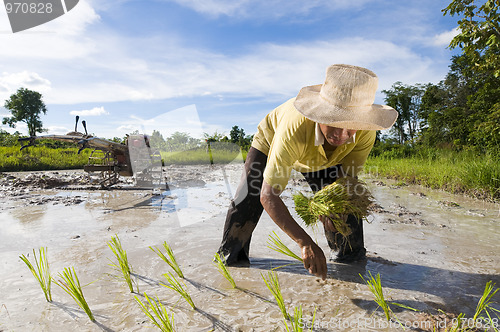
column 273, row 284
column 297, row 324
column 41, row 272
column 221, row 266
column 157, row 313
column 71, row 285
column 274, row 242
column 170, row 260
column 175, row 285
column 375, row 286
column 485, row 302
column 123, row 264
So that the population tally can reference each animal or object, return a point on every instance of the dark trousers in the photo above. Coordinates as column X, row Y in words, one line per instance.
column 245, row 211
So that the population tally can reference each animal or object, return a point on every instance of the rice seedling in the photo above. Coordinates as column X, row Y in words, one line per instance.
column 123, row 265
column 221, row 266
column 297, row 324
column 170, row 260
column 274, row 242
column 459, row 326
column 345, row 196
column 157, row 313
column 273, row 284
column 485, row 302
column 71, row 285
column 375, row 286
column 175, row 285
column 41, row 272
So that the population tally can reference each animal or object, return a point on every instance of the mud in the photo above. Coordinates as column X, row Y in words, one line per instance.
column 431, row 255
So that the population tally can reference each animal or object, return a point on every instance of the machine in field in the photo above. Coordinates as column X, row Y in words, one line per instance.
column 109, row 160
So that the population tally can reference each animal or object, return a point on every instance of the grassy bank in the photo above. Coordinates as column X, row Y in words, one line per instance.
column 202, row 156
column 463, row 172
column 40, row 158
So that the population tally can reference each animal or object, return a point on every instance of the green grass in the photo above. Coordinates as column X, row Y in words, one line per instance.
column 463, row 172
column 71, row 285
column 157, row 313
column 39, row 158
column 170, row 260
column 201, row 156
column 176, row 286
column 123, row 265
column 222, row 268
column 41, row 272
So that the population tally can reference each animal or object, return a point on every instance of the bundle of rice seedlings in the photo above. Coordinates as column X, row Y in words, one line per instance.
column 345, row 196
column 170, row 260
column 71, row 285
column 123, row 265
column 175, row 285
column 42, row 271
column 157, row 313
column 221, row 266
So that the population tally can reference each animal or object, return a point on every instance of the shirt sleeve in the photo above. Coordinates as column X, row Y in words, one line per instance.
column 283, row 153
column 353, row 163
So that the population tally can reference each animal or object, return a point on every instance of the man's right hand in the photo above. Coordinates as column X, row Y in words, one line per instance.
column 314, row 260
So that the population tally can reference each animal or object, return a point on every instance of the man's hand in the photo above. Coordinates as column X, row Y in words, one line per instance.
column 328, row 224
column 314, row 260
column 312, row 255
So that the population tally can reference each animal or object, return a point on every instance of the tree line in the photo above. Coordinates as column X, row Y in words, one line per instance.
column 463, row 110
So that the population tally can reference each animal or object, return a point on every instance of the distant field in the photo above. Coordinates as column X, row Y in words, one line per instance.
column 39, row 158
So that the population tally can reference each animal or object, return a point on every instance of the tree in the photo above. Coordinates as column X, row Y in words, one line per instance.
column 25, row 106
column 237, row 134
column 479, row 36
column 406, row 99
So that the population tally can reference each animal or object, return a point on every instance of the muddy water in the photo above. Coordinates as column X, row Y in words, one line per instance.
column 433, row 251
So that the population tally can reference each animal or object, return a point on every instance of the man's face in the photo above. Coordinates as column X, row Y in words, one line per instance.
column 336, row 136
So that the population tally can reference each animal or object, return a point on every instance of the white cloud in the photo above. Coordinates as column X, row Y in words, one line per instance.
column 184, row 119
column 10, row 82
column 96, row 111
column 444, row 38
column 57, row 130
column 88, row 66
column 267, row 9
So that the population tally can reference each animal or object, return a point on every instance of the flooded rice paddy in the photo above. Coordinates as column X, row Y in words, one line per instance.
column 434, row 251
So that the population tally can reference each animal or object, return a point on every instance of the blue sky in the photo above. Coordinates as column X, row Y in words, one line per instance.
column 205, row 65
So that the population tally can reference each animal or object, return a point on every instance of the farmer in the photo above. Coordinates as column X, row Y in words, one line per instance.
column 326, row 132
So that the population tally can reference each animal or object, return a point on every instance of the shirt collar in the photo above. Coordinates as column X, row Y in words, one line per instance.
column 319, row 139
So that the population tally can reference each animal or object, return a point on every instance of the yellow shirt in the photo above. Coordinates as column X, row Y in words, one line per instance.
column 288, row 139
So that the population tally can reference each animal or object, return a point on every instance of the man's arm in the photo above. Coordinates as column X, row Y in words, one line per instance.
column 312, row 255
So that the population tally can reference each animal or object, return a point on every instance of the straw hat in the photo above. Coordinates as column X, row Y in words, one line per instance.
column 345, row 100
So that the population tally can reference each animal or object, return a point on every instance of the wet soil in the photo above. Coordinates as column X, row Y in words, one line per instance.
column 434, row 252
